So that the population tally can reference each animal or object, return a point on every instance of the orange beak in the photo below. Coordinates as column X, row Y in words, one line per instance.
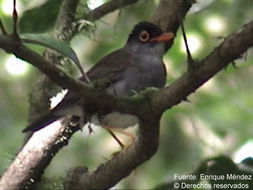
column 163, row 38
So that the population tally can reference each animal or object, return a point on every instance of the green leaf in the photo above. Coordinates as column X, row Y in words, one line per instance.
column 40, row 19
column 54, row 44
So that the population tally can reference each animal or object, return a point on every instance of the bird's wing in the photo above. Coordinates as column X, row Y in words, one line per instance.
column 110, row 67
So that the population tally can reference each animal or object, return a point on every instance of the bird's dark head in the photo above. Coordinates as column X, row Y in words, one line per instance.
column 147, row 34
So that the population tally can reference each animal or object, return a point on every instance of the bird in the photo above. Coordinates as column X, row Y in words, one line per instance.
column 133, row 68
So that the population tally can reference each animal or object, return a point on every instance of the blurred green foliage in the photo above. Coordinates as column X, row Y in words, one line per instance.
column 44, row 14
column 218, row 119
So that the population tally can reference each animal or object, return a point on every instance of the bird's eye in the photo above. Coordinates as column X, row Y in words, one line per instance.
column 144, row 36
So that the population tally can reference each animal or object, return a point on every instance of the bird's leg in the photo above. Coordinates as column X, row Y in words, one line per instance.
column 132, row 136
column 87, row 120
column 115, row 137
column 81, row 121
column 90, row 129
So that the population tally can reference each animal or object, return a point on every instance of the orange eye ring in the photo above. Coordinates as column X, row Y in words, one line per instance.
column 144, row 36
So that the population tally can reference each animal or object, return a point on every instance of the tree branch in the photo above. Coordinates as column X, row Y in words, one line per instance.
column 230, row 49
column 169, row 14
column 107, row 8
column 44, row 89
column 110, row 173
column 121, row 164
column 64, row 24
column 30, row 163
column 21, row 173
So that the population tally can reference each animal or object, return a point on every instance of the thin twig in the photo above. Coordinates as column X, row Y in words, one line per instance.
column 2, row 28
column 108, row 7
column 189, row 57
column 15, row 19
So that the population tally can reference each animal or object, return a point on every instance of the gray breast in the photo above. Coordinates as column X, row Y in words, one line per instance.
column 145, row 71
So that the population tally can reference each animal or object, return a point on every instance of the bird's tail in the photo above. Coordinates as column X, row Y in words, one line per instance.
column 41, row 122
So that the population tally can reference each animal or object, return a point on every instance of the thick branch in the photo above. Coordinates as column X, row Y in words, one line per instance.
column 44, row 89
column 64, row 24
column 108, row 7
column 122, row 163
column 169, row 14
column 35, row 156
column 230, row 49
column 57, row 75
column 30, row 163
column 21, row 173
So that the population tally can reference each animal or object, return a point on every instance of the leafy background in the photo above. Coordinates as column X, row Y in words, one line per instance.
column 217, row 120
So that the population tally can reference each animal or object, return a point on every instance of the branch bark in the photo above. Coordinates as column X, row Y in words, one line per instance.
column 230, row 49
column 107, row 8
column 121, row 164
column 30, row 163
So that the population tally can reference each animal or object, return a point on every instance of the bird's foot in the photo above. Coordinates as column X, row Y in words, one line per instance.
column 132, row 140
